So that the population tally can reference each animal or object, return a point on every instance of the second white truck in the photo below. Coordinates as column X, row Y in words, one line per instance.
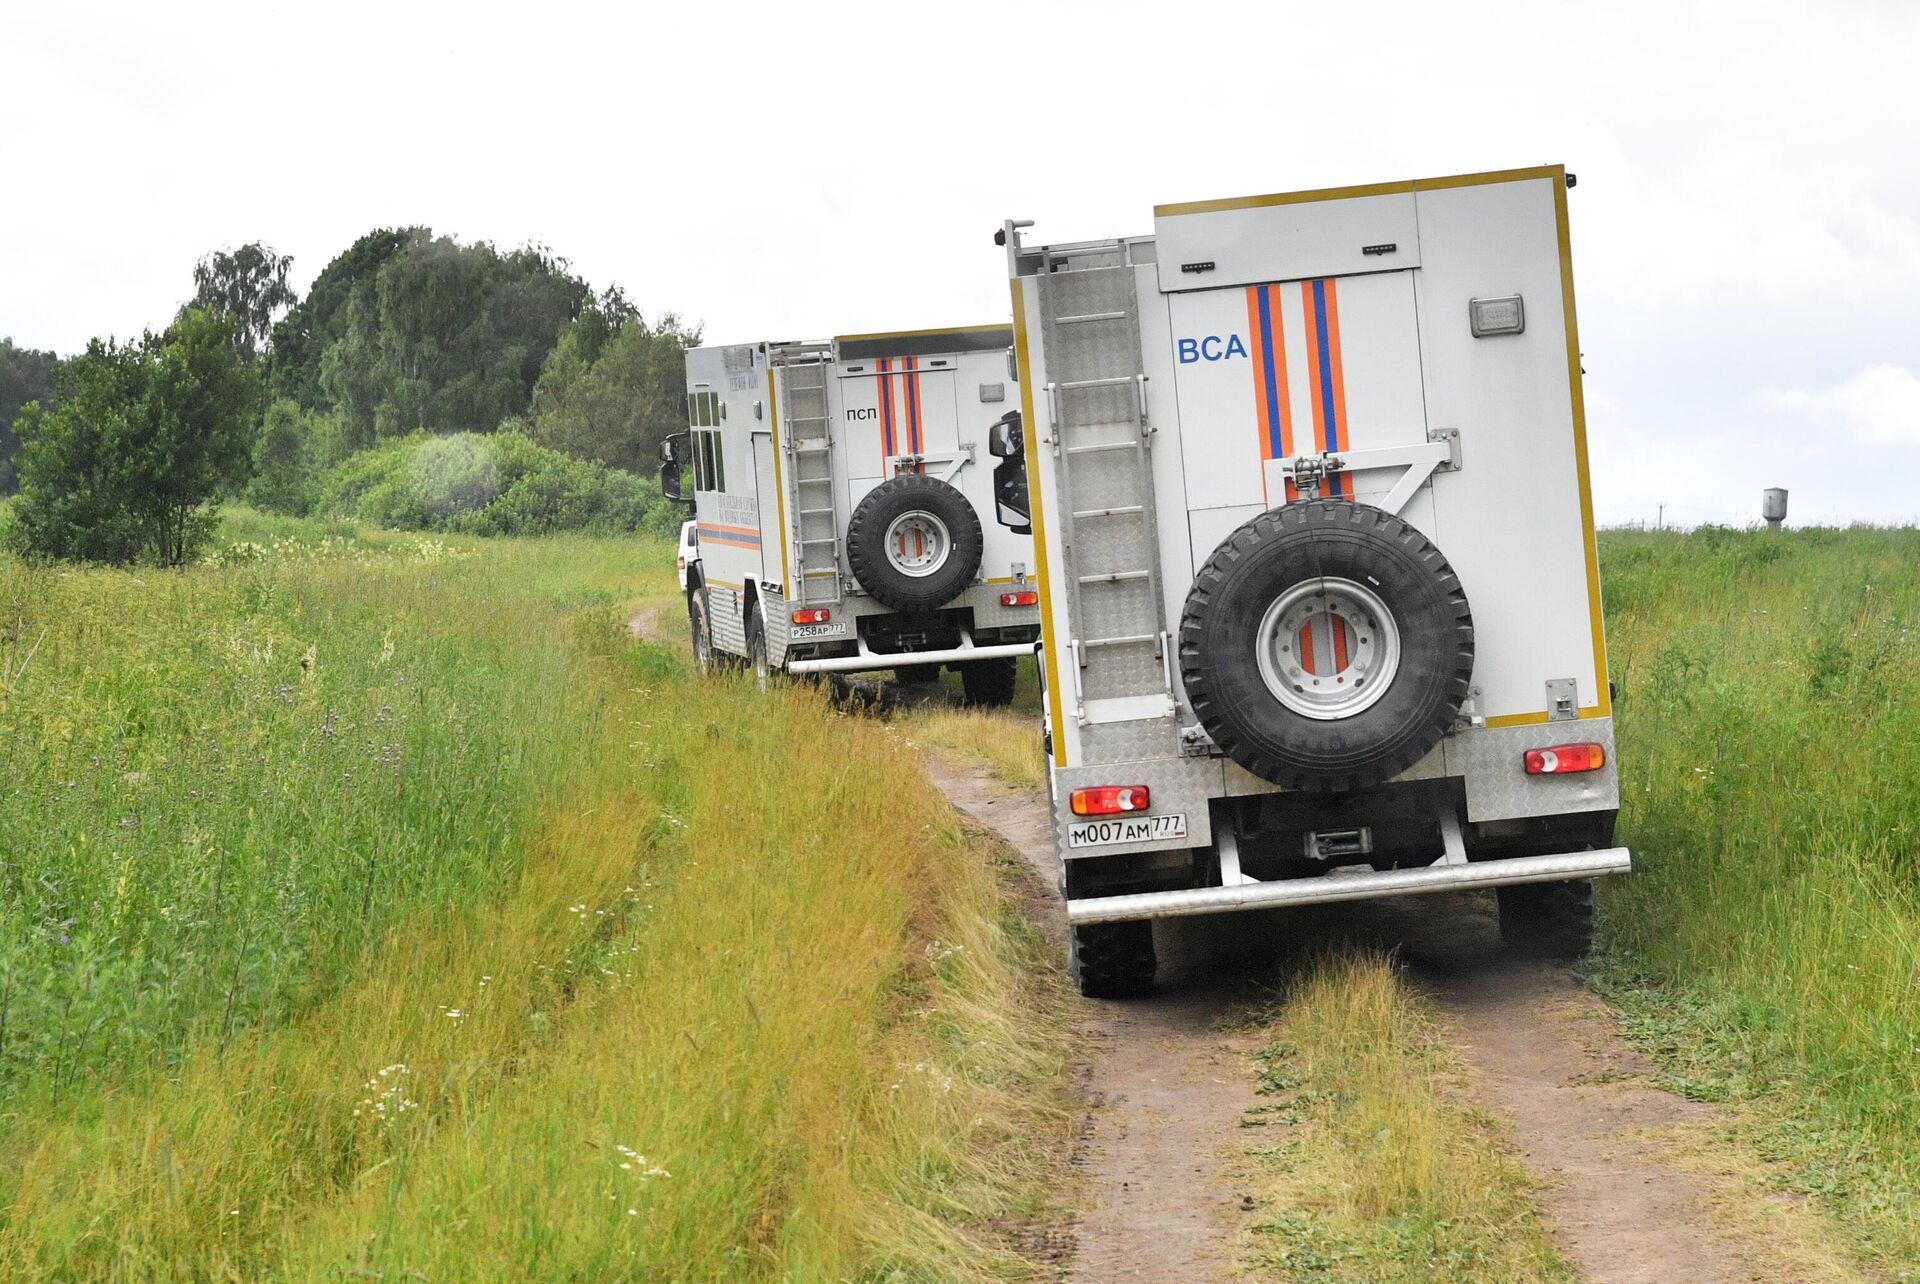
column 860, row 505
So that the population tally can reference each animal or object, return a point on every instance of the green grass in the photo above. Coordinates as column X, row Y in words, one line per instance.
column 372, row 905
column 1767, row 947
column 1367, row 1168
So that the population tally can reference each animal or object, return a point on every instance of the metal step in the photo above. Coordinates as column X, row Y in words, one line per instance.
column 1090, row 326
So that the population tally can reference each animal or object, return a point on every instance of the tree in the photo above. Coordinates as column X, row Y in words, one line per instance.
column 302, row 337
column 618, row 408
column 26, row 375
column 446, row 337
column 248, row 286
column 138, row 441
column 291, row 446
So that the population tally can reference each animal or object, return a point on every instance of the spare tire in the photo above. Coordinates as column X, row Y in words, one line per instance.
column 1326, row 645
column 914, row 543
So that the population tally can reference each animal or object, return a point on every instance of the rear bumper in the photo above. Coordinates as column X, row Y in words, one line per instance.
column 868, row 659
column 1351, row 887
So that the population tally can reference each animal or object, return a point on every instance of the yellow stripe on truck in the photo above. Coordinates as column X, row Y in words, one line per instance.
column 1032, row 447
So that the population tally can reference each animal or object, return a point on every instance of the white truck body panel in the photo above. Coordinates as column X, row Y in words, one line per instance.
column 897, row 402
column 1338, row 323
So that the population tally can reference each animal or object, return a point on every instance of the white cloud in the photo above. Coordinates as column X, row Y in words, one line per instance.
column 1880, row 406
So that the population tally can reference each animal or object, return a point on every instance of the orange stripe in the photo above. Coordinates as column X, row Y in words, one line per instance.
column 1306, row 647
column 1339, row 645
column 737, row 530
column 1342, row 484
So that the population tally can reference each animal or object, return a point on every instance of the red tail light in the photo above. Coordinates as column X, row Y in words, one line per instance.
column 812, row 615
column 1563, row 760
column 1109, row 800
column 1024, row 597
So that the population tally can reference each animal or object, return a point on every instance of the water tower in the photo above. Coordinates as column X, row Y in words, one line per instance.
column 1773, row 506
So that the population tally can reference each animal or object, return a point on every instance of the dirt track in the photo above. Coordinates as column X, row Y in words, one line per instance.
column 1632, row 1185
column 1166, row 1087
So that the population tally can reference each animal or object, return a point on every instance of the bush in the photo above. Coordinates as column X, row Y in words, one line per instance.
column 139, row 441
column 496, row 484
column 294, row 445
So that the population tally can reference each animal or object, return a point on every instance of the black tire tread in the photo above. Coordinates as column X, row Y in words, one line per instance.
column 1112, row 960
column 1333, row 518
column 990, row 683
column 1548, row 920
column 867, row 527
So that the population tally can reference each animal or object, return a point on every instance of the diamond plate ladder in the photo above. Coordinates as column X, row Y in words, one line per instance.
column 807, row 439
column 1122, row 653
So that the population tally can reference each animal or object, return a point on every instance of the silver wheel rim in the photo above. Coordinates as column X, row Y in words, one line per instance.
column 918, row 544
column 1328, row 648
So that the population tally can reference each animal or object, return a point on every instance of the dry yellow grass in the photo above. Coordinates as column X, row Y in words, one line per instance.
column 1373, row 1172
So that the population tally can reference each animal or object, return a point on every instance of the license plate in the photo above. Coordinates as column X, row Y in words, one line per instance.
column 816, row 631
column 1126, row 829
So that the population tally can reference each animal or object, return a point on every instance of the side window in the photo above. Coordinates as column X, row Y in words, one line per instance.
column 704, row 412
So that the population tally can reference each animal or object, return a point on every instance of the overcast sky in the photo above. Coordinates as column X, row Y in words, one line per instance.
column 1746, row 229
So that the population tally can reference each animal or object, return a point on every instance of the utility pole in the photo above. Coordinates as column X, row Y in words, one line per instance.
column 1660, row 521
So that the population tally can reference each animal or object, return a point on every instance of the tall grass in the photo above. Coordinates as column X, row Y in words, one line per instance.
column 602, row 973
column 1374, row 1173
column 1769, row 942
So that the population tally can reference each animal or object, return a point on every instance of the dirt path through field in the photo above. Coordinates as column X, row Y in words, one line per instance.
column 1631, row 1185
column 1636, row 1182
column 1165, row 1086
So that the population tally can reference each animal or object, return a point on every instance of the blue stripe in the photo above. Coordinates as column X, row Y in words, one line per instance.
column 1266, row 362
column 1326, row 361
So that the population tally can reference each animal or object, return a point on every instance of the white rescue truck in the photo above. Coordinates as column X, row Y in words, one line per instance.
column 1311, row 512
column 852, row 512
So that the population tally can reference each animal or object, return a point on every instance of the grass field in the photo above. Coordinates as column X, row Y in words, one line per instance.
column 1767, row 947
column 374, row 907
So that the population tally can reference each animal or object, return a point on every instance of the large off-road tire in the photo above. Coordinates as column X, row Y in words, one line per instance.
column 990, row 683
column 757, row 662
column 914, row 543
column 1548, row 920
column 1112, row 960
column 1326, row 645
column 700, row 631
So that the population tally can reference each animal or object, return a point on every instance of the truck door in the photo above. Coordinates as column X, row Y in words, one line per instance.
column 1288, row 368
column 895, row 406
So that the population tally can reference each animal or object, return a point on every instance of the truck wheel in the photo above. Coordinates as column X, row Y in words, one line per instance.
column 1548, row 920
column 1112, row 960
column 757, row 650
column 1326, row 645
column 914, row 543
column 989, row 683
column 703, row 657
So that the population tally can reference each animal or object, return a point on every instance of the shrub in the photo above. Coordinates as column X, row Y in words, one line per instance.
column 497, row 484
column 137, row 444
